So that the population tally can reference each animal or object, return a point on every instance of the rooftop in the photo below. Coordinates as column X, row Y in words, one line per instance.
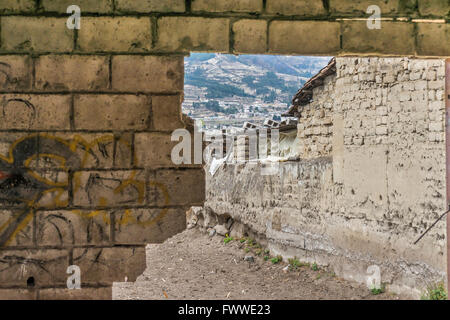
column 305, row 94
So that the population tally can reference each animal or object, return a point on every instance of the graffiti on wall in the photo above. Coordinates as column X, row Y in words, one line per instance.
column 41, row 171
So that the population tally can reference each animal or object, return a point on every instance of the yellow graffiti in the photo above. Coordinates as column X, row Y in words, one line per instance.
column 78, row 144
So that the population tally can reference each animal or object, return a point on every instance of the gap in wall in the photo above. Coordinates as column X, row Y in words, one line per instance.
column 224, row 91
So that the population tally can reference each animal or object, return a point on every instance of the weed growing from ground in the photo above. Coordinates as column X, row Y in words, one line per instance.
column 294, row 263
column 276, row 259
column 227, row 239
column 376, row 291
column 435, row 292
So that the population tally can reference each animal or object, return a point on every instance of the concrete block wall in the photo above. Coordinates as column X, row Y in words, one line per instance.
column 309, row 27
column 86, row 176
column 86, row 173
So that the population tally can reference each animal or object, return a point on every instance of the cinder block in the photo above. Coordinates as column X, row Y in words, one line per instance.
column 120, row 34
column 35, row 112
column 123, row 150
column 359, row 7
column 17, row 294
column 142, row 226
column 17, row 6
column 250, row 36
column 392, row 38
column 86, row 6
column 166, row 112
column 109, row 189
column 11, row 141
column 183, row 34
column 111, row 112
column 157, row 74
column 55, row 193
column 85, row 293
column 15, row 73
column 24, row 235
column 150, row 6
column 296, row 8
column 90, row 150
column 72, row 227
column 184, row 187
column 436, row 8
column 433, row 39
column 304, row 37
column 154, row 150
column 71, row 73
column 44, row 267
column 36, row 34
column 107, row 265
column 227, row 6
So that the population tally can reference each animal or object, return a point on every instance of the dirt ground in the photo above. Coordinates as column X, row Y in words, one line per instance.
column 194, row 266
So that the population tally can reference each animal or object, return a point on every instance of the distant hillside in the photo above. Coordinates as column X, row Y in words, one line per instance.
column 270, row 79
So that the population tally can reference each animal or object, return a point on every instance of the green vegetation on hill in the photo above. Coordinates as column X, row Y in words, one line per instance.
column 214, row 106
column 215, row 89
column 270, row 87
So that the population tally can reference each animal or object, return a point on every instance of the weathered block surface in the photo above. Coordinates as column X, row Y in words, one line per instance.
column 157, row 223
column 57, row 228
column 100, row 293
column 76, row 73
column 178, row 191
column 35, row 112
column 35, row 34
column 102, row 34
column 43, row 267
column 60, row 6
column 396, row 38
column 178, row 34
column 111, row 112
column 154, row 149
column 148, row 73
column 429, row 39
column 436, row 8
column 15, row 73
column 150, row 6
column 289, row 37
column 227, row 6
column 109, row 263
column 80, row 108
column 296, row 8
column 167, row 112
column 250, row 36
column 14, row 6
column 392, row 7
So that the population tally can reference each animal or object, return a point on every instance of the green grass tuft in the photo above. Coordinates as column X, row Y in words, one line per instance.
column 227, row 239
column 435, row 292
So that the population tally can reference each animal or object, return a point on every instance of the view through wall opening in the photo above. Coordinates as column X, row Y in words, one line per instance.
column 233, row 97
column 224, row 91
column 372, row 128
